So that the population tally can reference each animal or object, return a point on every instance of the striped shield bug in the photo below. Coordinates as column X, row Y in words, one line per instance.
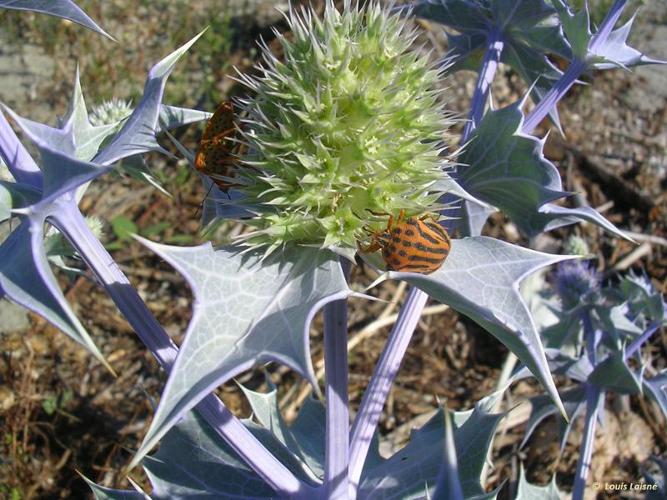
column 415, row 245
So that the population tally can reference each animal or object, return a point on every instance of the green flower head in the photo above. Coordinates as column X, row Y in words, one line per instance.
column 347, row 130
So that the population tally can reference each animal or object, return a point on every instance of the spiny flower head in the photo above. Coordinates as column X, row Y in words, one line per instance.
column 110, row 112
column 576, row 283
column 346, row 131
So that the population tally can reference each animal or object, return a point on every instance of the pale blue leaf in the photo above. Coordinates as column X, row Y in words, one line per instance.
column 138, row 134
column 16, row 195
column 65, row 9
column 464, row 16
column 75, row 136
column 615, row 52
column 642, row 297
column 193, row 462
column 64, row 174
column 404, row 474
column 62, row 171
column 27, row 279
column 309, row 430
column 507, row 169
column 447, row 185
column 246, row 312
column 613, row 374
column 656, row 388
column 552, row 216
column 615, row 323
column 527, row 491
column 530, row 31
column 86, row 137
column 449, row 485
column 104, row 493
column 474, row 217
column 172, row 117
column 567, row 333
column 609, row 52
column 305, row 439
column 480, row 279
column 576, row 27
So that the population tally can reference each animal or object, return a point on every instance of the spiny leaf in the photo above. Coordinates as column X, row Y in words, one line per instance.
column 404, row 474
column 27, row 279
column 615, row 52
column 246, row 312
column 529, row 32
column 172, row 117
column 527, row 491
column 66, row 9
column 507, row 169
column 480, row 279
column 193, row 462
column 140, row 128
column 15, row 195
column 615, row 375
column 104, row 493
column 76, row 136
column 305, row 439
column 610, row 51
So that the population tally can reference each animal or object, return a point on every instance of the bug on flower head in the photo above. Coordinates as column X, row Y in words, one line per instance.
column 415, row 245
column 218, row 151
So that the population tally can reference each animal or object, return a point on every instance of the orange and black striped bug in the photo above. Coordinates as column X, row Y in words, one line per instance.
column 415, row 245
column 219, row 149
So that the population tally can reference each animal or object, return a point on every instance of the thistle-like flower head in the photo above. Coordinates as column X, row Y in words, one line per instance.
column 576, row 283
column 110, row 112
column 346, row 131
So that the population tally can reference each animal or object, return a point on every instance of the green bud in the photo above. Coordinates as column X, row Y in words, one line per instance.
column 347, row 130
column 110, row 112
column 575, row 245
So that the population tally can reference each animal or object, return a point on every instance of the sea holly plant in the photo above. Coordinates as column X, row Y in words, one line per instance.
column 594, row 338
column 342, row 132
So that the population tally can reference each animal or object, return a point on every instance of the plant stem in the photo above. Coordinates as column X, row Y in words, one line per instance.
column 487, row 72
column 555, row 94
column 573, row 72
column 380, row 384
column 68, row 219
column 593, row 398
column 337, row 407
column 383, row 377
column 593, row 395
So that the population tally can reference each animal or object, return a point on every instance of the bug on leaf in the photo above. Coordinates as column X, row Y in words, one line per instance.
column 219, row 150
column 415, row 245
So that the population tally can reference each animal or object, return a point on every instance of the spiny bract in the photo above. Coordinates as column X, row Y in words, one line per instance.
column 348, row 126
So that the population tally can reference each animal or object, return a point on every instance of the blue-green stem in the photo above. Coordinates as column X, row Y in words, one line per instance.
column 593, row 398
column 376, row 394
column 337, row 407
column 573, row 72
column 69, row 220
